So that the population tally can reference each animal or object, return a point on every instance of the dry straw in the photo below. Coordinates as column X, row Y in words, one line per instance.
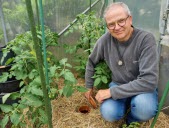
column 66, row 114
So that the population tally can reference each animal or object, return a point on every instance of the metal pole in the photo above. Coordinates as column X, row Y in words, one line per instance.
column 43, row 41
column 74, row 21
column 3, row 23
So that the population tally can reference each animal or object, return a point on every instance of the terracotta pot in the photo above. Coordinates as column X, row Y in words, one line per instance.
column 92, row 102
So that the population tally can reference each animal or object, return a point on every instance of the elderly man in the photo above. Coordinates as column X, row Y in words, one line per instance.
column 132, row 57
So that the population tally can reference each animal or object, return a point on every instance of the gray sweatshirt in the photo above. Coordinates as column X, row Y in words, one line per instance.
column 138, row 74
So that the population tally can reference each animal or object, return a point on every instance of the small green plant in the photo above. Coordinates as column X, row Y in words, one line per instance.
column 131, row 125
column 102, row 75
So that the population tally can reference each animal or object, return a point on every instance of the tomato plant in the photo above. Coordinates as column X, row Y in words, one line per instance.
column 91, row 28
column 31, row 106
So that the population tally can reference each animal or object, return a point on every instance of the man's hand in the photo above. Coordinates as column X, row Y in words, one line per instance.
column 102, row 95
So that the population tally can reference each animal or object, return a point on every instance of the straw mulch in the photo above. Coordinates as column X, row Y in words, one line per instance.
column 66, row 114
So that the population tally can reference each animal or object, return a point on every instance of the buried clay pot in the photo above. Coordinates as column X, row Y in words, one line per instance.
column 84, row 109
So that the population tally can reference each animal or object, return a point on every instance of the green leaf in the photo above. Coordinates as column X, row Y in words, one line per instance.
column 99, row 72
column 68, row 65
column 15, row 118
column 69, row 76
column 43, row 117
column 37, row 91
column 33, row 73
column 124, row 126
column 68, row 90
column 4, row 121
column 62, row 73
column 14, row 95
column 60, row 91
column 97, row 81
column 63, row 61
column 53, row 70
column 81, row 89
column 4, row 77
column 21, row 84
column 20, row 75
column 32, row 100
column 104, row 79
column 6, row 108
column 9, row 61
column 36, row 81
column 22, row 106
column 5, row 97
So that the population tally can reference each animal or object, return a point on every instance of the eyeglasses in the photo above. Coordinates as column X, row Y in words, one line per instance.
column 120, row 22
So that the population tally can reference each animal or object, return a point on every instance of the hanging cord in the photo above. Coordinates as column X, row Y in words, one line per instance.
column 120, row 55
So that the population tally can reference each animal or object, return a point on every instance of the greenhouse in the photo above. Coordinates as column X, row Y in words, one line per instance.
column 84, row 64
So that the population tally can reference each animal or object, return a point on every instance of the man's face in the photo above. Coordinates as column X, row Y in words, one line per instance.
column 119, row 23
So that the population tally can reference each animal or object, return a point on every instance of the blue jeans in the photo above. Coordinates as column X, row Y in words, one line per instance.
column 142, row 107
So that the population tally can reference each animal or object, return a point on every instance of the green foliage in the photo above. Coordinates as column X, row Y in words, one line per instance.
column 131, row 125
column 19, row 15
column 1, row 35
column 102, row 75
column 31, row 102
column 91, row 29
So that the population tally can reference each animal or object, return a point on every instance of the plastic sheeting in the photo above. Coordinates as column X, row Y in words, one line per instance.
column 164, row 52
column 57, row 15
column 145, row 14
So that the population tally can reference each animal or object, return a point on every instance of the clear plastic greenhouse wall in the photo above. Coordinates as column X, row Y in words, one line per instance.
column 58, row 15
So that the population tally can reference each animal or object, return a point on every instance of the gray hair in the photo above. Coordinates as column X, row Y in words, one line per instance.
column 123, row 5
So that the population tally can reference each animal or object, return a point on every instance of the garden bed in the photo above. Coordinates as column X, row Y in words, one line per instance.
column 66, row 114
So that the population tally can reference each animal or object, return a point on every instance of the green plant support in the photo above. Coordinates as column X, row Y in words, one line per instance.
column 39, row 62
column 43, row 42
column 160, row 105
